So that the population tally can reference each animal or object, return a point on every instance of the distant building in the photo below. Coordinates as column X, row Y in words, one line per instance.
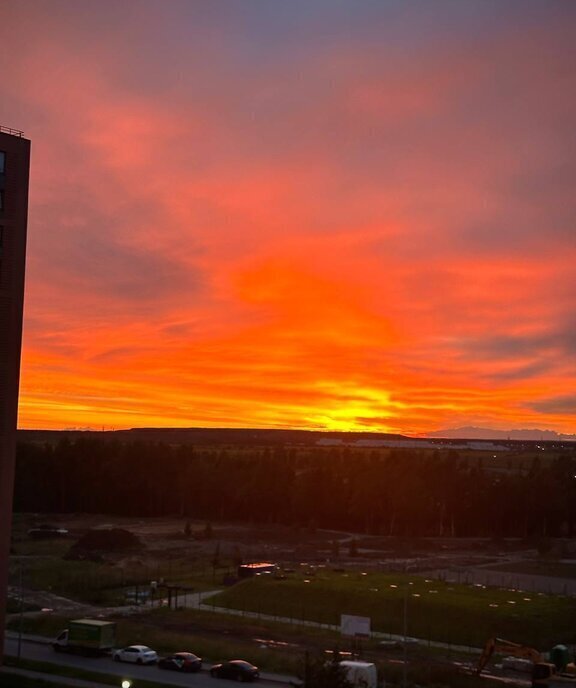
column 14, row 175
column 412, row 444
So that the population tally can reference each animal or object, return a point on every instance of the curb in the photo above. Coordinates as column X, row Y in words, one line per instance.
column 54, row 679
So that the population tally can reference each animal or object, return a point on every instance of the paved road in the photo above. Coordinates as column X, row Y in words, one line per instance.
column 547, row 585
column 44, row 653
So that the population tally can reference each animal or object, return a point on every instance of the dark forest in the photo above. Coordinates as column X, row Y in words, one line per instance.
column 388, row 492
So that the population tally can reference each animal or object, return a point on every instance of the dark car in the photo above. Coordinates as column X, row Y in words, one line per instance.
column 236, row 669
column 181, row 661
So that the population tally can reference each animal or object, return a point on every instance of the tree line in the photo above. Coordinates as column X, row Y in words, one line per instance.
column 389, row 492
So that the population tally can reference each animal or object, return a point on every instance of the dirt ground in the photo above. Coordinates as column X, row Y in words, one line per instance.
column 165, row 541
column 165, row 538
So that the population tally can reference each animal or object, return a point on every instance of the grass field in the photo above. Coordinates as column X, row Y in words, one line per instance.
column 458, row 614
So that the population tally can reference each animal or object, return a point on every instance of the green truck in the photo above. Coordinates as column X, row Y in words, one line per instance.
column 89, row 637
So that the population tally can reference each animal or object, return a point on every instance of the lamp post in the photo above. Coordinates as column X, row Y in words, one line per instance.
column 21, row 618
column 405, row 633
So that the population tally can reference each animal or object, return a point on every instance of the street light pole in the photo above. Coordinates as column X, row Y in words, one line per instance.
column 405, row 633
column 21, row 619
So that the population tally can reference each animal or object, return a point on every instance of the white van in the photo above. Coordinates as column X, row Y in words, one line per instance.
column 361, row 674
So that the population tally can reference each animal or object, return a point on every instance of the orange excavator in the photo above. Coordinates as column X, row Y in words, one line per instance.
column 506, row 647
column 544, row 674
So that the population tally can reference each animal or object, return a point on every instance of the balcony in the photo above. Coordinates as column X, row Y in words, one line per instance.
column 12, row 132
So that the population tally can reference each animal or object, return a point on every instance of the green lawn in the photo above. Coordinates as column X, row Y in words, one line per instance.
column 14, row 605
column 459, row 614
column 47, row 625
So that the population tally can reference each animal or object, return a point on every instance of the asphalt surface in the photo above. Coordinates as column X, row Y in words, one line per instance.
column 546, row 585
column 42, row 652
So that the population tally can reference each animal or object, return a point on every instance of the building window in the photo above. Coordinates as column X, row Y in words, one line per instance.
column 1, row 200
column 2, row 162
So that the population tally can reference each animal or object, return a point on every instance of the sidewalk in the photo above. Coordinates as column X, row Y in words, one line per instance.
column 58, row 680
column 6, row 672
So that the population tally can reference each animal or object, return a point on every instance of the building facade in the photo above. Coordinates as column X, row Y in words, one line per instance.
column 14, row 176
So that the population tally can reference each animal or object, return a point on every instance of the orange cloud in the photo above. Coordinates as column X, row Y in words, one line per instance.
column 321, row 223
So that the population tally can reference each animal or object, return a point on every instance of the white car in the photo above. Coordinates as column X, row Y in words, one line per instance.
column 138, row 654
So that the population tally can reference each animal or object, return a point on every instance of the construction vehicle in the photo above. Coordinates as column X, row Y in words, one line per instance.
column 506, row 647
column 544, row 674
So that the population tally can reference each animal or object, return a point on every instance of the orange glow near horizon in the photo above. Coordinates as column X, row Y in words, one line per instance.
column 298, row 218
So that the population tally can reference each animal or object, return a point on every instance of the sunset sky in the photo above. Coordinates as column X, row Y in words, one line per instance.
column 319, row 214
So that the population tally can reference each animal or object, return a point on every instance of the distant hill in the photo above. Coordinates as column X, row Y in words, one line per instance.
column 230, row 436
column 272, row 437
column 472, row 433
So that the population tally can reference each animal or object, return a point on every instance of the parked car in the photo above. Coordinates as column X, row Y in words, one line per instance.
column 181, row 661
column 138, row 654
column 236, row 669
column 46, row 532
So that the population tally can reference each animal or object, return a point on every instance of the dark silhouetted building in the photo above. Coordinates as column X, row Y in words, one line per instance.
column 14, row 174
